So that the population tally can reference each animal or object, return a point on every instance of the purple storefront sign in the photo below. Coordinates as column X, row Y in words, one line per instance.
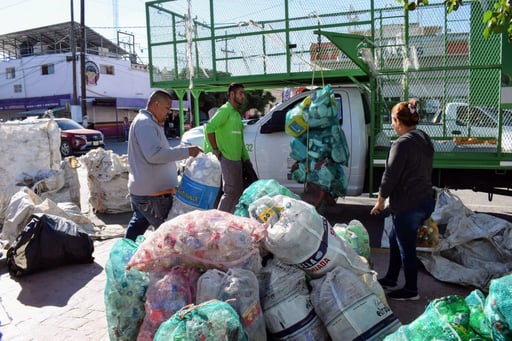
column 34, row 102
column 130, row 103
column 44, row 102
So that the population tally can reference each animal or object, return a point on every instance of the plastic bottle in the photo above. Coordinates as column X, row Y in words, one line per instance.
column 296, row 125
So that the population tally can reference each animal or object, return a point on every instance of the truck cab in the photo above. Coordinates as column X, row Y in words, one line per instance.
column 269, row 145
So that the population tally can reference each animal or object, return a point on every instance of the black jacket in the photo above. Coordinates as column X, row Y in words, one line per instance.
column 407, row 178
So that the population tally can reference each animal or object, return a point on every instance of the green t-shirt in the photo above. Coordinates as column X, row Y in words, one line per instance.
column 229, row 133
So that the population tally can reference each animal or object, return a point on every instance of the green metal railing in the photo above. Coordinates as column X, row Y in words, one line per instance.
column 428, row 54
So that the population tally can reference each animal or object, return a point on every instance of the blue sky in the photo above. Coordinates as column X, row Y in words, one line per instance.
column 18, row 15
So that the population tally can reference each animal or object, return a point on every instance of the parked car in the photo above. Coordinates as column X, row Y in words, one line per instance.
column 77, row 140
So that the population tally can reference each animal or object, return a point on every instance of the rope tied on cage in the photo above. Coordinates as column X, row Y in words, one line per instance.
column 319, row 59
column 189, row 28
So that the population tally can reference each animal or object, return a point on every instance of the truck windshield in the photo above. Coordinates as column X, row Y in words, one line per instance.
column 507, row 114
column 507, row 117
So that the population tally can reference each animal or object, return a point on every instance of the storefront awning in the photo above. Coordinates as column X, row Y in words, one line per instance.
column 41, row 111
column 140, row 103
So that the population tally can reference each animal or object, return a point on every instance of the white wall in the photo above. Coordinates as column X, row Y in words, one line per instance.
column 125, row 82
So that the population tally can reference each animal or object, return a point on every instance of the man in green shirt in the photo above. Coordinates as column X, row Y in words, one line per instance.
column 225, row 138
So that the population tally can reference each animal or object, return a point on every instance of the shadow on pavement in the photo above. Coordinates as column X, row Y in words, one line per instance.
column 54, row 287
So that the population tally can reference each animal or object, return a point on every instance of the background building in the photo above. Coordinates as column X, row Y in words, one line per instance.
column 36, row 74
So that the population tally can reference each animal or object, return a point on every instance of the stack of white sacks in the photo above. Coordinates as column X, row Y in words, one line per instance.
column 284, row 269
column 107, row 178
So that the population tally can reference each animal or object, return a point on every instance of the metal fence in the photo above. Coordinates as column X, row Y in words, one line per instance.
column 439, row 58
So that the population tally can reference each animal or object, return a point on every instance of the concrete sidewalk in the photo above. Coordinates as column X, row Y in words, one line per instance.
column 67, row 303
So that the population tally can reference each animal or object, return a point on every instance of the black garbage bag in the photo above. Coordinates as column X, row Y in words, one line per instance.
column 48, row 241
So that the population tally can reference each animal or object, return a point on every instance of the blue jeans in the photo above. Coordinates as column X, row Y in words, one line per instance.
column 402, row 243
column 147, row 210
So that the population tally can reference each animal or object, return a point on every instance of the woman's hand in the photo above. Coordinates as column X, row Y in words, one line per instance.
column 377, row 209
column 379, row 206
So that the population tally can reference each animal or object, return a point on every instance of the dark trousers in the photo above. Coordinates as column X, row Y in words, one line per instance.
column 232, row 184
column 147, row 210
column 402, row 243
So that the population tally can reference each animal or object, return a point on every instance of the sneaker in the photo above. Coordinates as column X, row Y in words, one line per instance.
column 386, row 284
column 404, row 295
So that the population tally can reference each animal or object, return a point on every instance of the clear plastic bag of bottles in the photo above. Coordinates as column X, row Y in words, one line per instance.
column 125, row 292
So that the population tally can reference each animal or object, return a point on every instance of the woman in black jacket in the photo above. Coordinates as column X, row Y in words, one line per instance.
column 407, row 181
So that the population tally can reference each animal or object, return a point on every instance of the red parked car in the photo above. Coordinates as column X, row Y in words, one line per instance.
column 77, row 140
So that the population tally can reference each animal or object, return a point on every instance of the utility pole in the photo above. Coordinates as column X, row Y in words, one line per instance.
column 225, row 49
column 82, row 59
column 73, row 54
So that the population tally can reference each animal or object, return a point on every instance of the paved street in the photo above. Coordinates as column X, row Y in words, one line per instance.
column 66, row 303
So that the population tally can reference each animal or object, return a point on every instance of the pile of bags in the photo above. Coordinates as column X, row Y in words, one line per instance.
column 43, row 156
column 473, row 248
column 281, row 273
column 107, row 178
column 475, row 317
column 463, row 247
column 319, row 144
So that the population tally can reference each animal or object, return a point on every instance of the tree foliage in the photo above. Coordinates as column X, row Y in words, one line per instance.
column 497, row 19
column 255, row 99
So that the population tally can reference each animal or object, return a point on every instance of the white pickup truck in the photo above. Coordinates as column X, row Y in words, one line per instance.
column 269, row 149
column 269, row 146
column 466, row 124
column 460, row 119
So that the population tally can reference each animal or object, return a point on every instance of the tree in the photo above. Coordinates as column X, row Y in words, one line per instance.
column 497, row 19
column 255, row 99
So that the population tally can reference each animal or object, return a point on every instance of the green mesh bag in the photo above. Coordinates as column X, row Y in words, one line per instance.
column 445, row 318
column 125, row 292
column 209, row 321
column 498, row 307
column 257, row 190
column 478, row 322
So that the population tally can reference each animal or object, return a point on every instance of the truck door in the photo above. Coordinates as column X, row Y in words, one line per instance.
column 272, row 146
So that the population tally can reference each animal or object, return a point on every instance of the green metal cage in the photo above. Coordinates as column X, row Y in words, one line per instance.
column 393, row 54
